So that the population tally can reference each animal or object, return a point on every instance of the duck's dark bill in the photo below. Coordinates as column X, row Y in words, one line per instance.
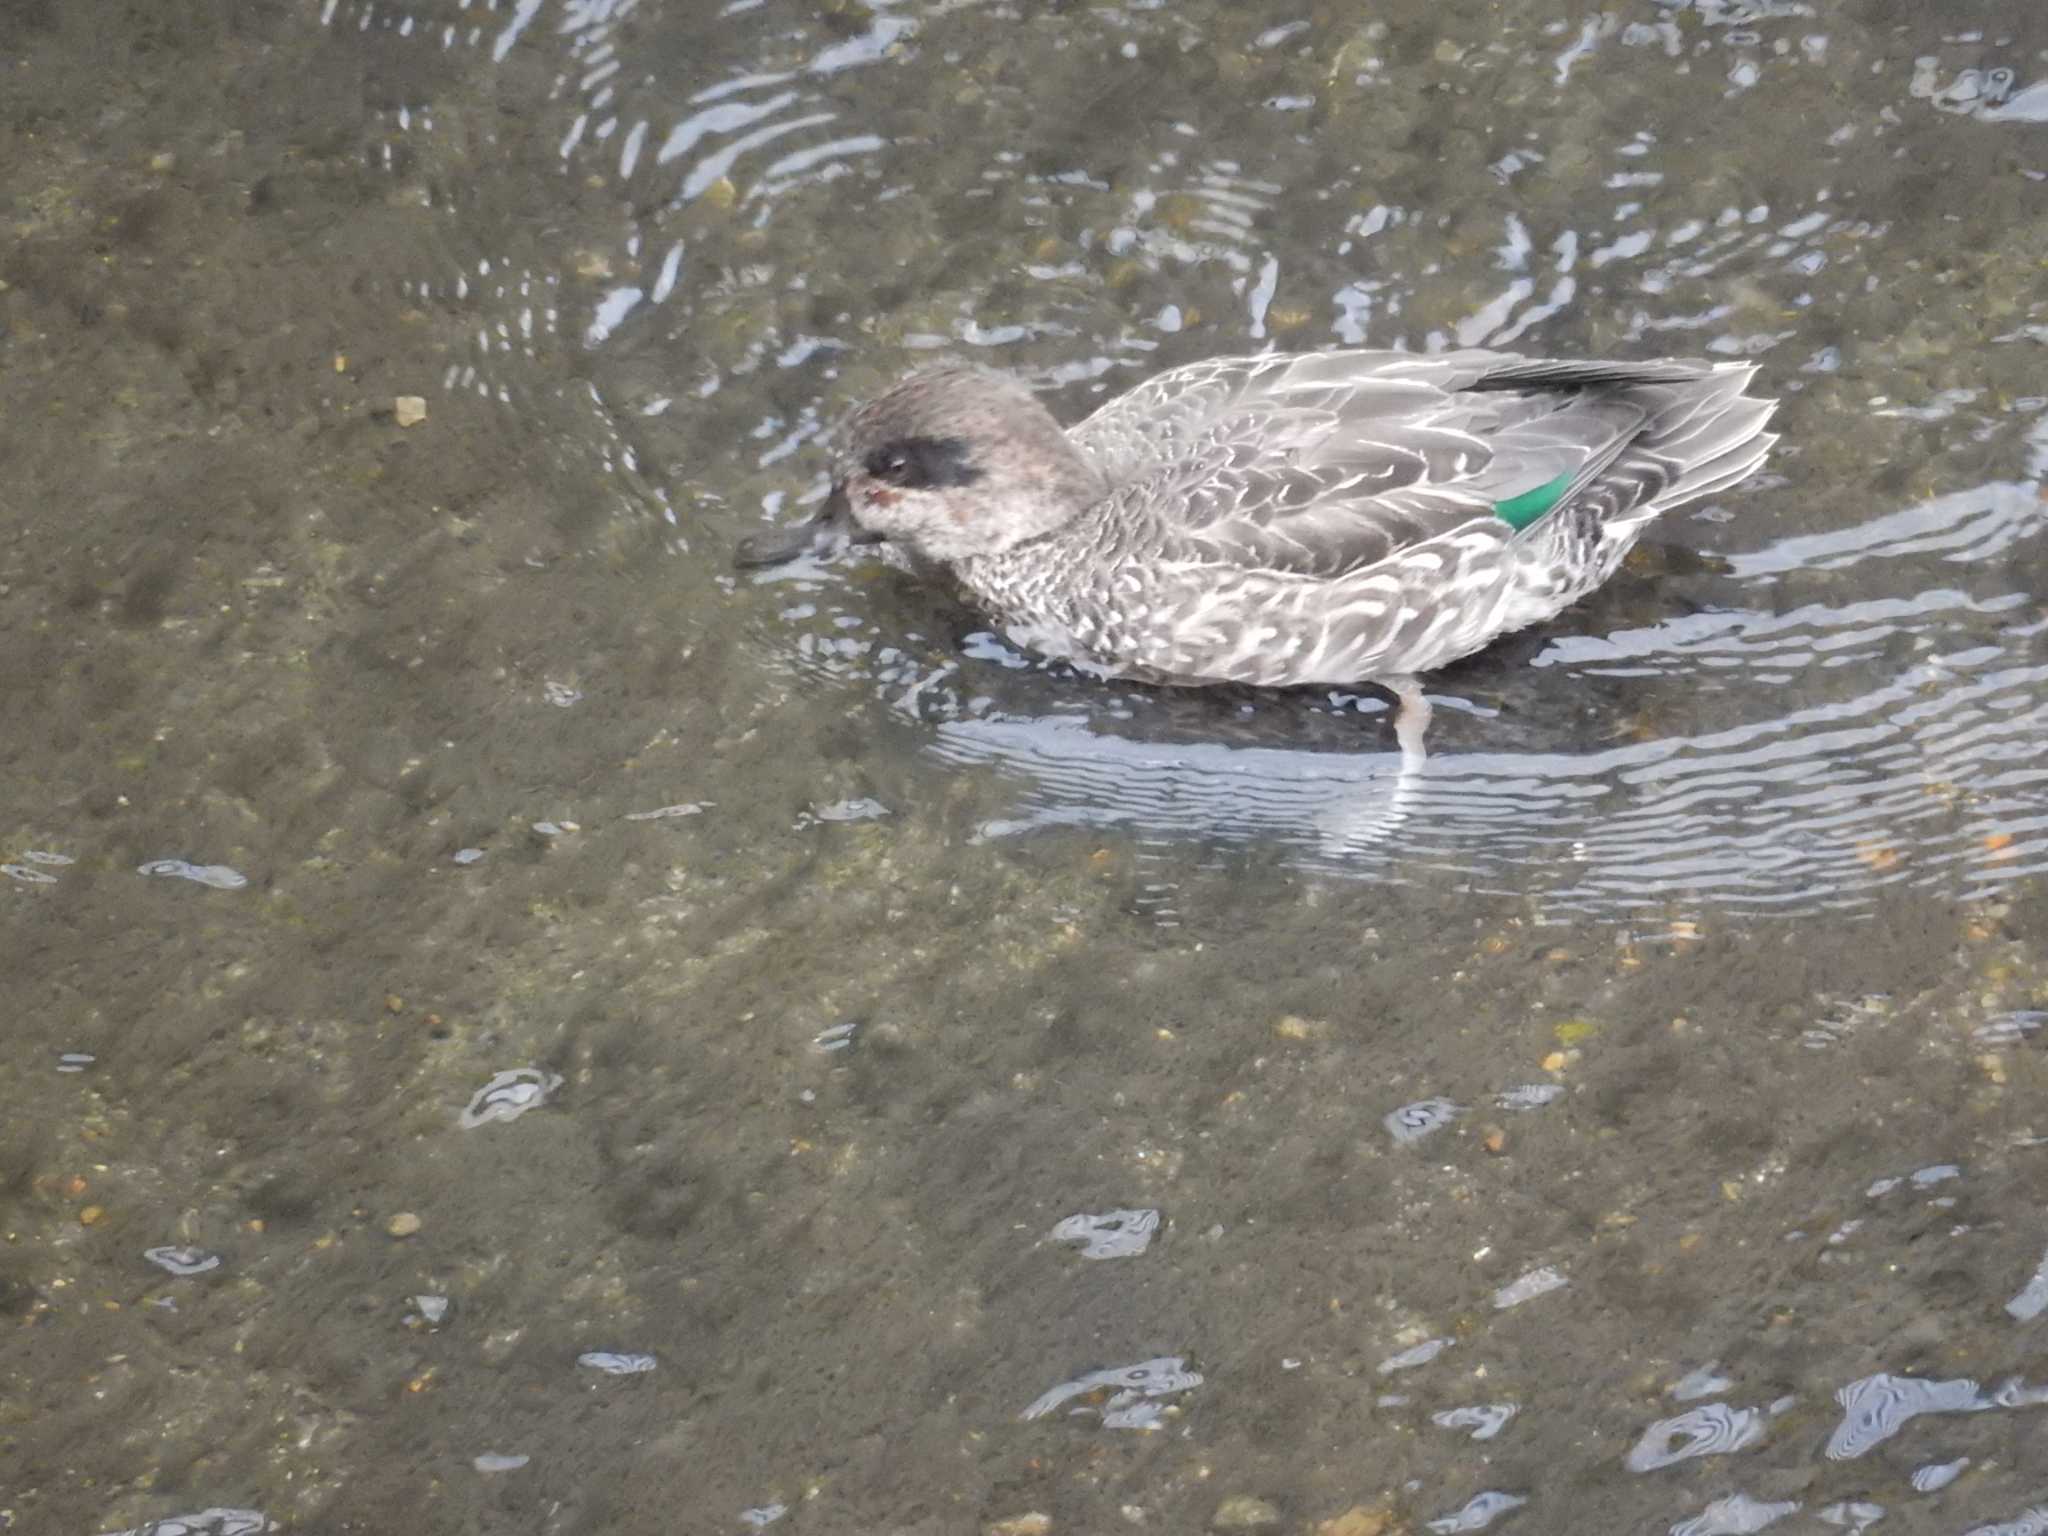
column 831, row 530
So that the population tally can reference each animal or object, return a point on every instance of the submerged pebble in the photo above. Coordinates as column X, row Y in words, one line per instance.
column 1244, row 1512
column 497, row 1461
column 1358, row 1520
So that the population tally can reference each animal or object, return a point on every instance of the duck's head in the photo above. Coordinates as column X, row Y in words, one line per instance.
column 953, row 462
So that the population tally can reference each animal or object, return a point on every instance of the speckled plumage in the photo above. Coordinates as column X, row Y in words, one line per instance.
column 1328, row 518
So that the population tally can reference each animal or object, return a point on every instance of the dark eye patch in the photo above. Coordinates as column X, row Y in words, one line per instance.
column 923, row 463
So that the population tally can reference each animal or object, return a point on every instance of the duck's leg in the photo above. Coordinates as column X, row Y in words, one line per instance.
column 1411, row 719
column 1351, row 831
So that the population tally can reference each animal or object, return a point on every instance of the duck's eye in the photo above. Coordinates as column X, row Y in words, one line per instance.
column 893, row 464
column 922, row 463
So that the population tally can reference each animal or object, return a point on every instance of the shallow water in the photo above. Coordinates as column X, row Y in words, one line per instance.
column 516, row 1027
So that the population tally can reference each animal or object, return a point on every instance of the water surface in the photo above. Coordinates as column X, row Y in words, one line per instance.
column 517, row 1027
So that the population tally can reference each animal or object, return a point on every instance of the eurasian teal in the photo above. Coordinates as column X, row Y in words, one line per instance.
column 1327, row 518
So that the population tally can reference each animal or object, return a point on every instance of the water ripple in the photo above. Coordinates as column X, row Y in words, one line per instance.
column 1876, row 1407
column 1736, row 1515
column 1478, row 1512
column 1768, row 740
column 1129, row 1396
column 1713, row 1429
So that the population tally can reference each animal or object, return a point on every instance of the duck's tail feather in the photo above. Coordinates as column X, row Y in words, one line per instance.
column 1698, row 433
column 1705, row 435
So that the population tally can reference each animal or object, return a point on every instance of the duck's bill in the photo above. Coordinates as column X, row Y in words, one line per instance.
column 830, row 531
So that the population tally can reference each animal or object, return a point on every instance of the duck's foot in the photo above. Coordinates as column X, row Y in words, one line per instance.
column 1411, row 719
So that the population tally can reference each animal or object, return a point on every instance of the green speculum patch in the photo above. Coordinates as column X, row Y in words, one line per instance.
column 1518, row 512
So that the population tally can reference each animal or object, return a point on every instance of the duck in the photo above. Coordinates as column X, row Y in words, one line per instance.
column 1336, row 518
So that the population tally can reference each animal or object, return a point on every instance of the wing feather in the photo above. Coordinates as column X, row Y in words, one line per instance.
column 1331, row 463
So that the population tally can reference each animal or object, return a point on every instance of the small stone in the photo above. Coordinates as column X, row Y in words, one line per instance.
column 92, row 1215
column 1292, row 1026
column 1355, row 1521
column 1494, row 1139
column 1035, row 1523
column 409, row 410
column 404, row 1224
column 393, row 1003
column 1242, row 1512
column 163, row 162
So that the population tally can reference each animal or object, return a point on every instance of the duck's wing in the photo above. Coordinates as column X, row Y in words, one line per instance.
column 1329, row 463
